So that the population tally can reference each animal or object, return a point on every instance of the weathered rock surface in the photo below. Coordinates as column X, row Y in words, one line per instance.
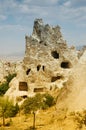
column 73, row 95
column 7, row 67
column 47, row 63
column 47, row 54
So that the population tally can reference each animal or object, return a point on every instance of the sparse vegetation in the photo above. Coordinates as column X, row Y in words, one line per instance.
column 47, row 119
column 10, row 77
column 5, row 86
column 79, row 118
column 39, row 101
column 7, row 109
column 49, row 100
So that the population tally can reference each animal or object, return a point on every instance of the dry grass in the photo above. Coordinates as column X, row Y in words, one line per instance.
column 22, row 122
column 45, row 120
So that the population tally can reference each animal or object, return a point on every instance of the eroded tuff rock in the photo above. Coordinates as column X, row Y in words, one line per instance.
column 47, row 53
column 47, row 63
column 73, row 95
column 6, row 68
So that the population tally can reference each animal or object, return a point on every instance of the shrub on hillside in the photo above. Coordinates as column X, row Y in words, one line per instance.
column 39, row 101
column 5, row 86
column 9, row 77
column 49, row 100
column 32, row 104
column 7, row 109
column 12, row 110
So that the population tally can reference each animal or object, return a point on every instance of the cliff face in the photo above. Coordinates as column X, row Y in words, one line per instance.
column 47, row 53
column 47, row 62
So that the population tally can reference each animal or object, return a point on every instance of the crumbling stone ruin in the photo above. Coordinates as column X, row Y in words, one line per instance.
column 47, row 65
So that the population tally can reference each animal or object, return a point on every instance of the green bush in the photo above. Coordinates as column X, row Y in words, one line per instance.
column 49, row 100
column 32, row 104
column 7, row 109
column 10, row 77
column 39, row 101
column 12, row 110
column 5, row 86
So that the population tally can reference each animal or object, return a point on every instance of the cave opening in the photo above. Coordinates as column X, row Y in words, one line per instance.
column 38, row 67
column 43, row 67
column 23, row 86
column 28, row 71
column 38, row 89
column 24, row 96
column 55, row 54
column 65, row 65
column 53, row 79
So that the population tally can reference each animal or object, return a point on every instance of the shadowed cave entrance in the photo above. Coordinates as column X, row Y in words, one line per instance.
column 65, row 65
column 53, row 79
column 28, row 71
column 38, row 67
column 55, row 54
column 38, row 89
column 43, row 67
column 24, row 96
column 23, row 86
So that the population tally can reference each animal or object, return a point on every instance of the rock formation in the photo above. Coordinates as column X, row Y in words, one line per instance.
column 47, row 63
column 73, row 95
column 7, row 67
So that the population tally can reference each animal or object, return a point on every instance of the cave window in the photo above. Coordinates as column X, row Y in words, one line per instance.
column 65, row 65
column 55, row 54
column 24, row 96
column 28, row 71
column 38, row 67
column 43, row 67
column 38, row 89
column 23, row 86
column 53, row 79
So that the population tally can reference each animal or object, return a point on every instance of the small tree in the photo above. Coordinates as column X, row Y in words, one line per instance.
column 31, row 105
column 4, row 105
column 39, row 101
column 7, row 109
column 12, row 110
